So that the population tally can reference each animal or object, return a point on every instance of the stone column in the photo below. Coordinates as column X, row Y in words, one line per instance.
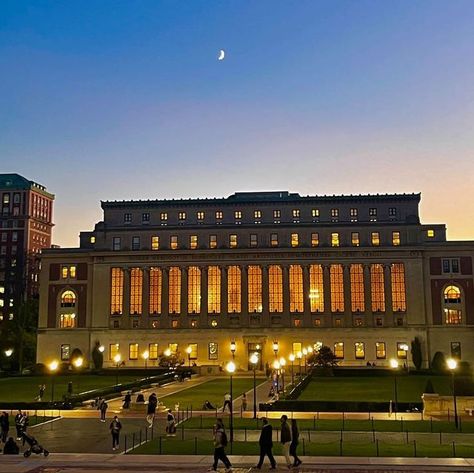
column 368, row 296
column 387, row 279
column 347, row 296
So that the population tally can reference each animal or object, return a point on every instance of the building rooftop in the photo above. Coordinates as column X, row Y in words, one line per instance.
column 17, row 182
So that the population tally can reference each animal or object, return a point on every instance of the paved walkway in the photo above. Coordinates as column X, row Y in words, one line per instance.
column 166, row 464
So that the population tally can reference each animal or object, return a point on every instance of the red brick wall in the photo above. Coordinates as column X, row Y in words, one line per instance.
column 435, row 266
column 54, row 272
column 466, row 265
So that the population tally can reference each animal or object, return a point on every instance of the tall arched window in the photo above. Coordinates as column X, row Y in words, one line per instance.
column 67, row 310
column 452, row 305
column 68, row 299
column 275, row 288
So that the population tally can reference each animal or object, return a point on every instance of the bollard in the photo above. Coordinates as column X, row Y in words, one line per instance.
column 414, row 448
column 195, row 446
column 454, row 448
column 161, row 438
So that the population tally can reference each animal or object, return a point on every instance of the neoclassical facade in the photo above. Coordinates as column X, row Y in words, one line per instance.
column 360, row 274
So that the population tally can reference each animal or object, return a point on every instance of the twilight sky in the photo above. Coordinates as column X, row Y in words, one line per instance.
column 126, row 100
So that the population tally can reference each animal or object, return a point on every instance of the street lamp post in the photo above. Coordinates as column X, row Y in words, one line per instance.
column 78, row 362
column 230, row 368
column 146, row 356
column 276, row 367
column 282, row 365
column 292, row 359
column 275, row 348
column 299, row 355
column 117, row 359
column 233, row 347
column 254, row 361
column 452, row 365
column 394, row 366
column 305, row 352
column 188, row 351
column 53, row 366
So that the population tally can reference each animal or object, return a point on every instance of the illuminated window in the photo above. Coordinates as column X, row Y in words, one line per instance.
column 164, row 216
column 114, row 350
column 359, row 350
column 253, row 240
column 133, row 351
column 194, row 323
column 155, row 242
column 451, row 265
column 377, row 288
column 234, row 289
column 334, row 215
column 174, row 242
column 194, row 290
column 275, row 288
column 336, row 277
column 375, row 239
column 430, row 233
column 173, row 347
column 213, row 290
column 212, row 241
column 315, row 213
column 233, row 241
column 219, row 215
column 181, row 215
column 116, row 243
column 255, row 289
column 194, row 351
column 296, row 288
column 355, row 241
column 257, row 214
column 399, row 303
column 295, row 213
column 452, row 305
column 193, row 242
column 200, row 215
column 334, row 239
column 396, row 238
column 214, row 323
column 153, row 351
column 402, row 350
column 297, row 347
column 116, row 293
column 136, row 290
column 174, row 285
column 65, row 352
column 373, row 215
column 67, row 320
column 127, row 217
column 174, row 324
column 297, row 323
column 314, row 239
column 64, row 270
column 339, row 350
column 274, row 239
column 316, row 292
column 237, row 214
column 294, row 240
column 358, row 322
column 155, row 291
column 354, row 215
column 357, row 288
column 380, row 352
column 276, row 216
column 72, row 272
column 317, row 322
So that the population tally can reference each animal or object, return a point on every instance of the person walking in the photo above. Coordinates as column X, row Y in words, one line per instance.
column 41, row 390
column 170, row 424
column 4, row 426
column 18, row 420
column 227, row 402
column 266, row 444
column 285, row 439
column 115, row 428
column 295, row 433
column 151, row 409
column 103, row 406
column 244, row 402
column 127, row 400
column 220, row 442
column 24, row 423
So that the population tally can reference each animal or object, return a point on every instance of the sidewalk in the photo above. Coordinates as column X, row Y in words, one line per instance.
column 91, row 463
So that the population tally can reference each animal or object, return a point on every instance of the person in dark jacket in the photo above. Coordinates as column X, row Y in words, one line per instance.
column 127, row 400
column 220, row 442
column 11, row 447
column 285, row 439
column 18, row 424
column 5, row 426
column 103, row 410
column 115, row 428
column 151, row 409
column 294, row 442
column 266, row 444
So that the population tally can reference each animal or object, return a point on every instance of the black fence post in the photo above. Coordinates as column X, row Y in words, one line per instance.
column 245, row 433
column 373, row 434
column 343, row 420
column 182, row 430
column 401, row 424
column 440, row 437
column 407, row 435
column 414, row 448
column 140, row 436
column 309, row 435
column 314, row 422
column 125, row 441
column 195, row 445
column 152, row 429
column 133, row 440
column 454, row 449
column 340, row 448
column 377, row 446
column 431, row 424
column 161, row 438
column 373, row 426
column 201, row 423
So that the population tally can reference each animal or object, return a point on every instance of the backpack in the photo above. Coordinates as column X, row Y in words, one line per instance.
column 224, row 440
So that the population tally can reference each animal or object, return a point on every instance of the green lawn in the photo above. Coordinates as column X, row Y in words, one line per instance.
column 25, row 389
column 381, row 388
column 213, row 391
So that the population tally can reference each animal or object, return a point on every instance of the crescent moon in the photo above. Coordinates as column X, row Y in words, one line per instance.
column 221, row 55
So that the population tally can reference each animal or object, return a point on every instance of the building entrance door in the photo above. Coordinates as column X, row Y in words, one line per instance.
column 251, row 349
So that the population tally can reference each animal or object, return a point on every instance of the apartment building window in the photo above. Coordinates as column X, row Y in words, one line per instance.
column 355, row 240
column 396, row 238
column 392, row 212
column 380, row 351
column 253, row 240
column 377, row 287
column 219, row 215
column 155, row 291
column 402, row 350
column 212, row 241
column 257, row 214
column 255, row 289
column 163, row 216
column 181, row 216
column 114, row 350
column 275, row 288
column 153, row 351
column 334, row 215
column 234, row 290
column 314, row 239
column 116, row 243
column 233, row 241
column 174, row 287
column 68, row 272
column 6, row 198
column 375, row 238
column 296, row 213
column 127, row 217
column 136, row 291
column 373, row 214
column 135, row 243
column 213, row 290
column 133, row 351
column 237, row 214
column 354, row 213
column 336, row 277
column 193, row 242
column 430, row 233
column 174, row 242
column 200, row 215
column 277, row 214
column 294, row 240
column 116, row 292
column 14, row 236
column 315, row 213
column 451, row 265
column 358, row 322
column 194, row 290
column 145, row 217
column 155, row 242
column 316, row 292
column 339, row 350
column 334, row 239
column 296, row 288
column 357, row 288
column 274, row 239
column 399, row 302
column 359, row 350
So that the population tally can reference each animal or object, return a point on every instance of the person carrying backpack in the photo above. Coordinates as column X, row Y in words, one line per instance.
column 220, row 442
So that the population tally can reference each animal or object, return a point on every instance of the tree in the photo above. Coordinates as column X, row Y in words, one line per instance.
column 97, row 356
column 416, row 353
column 438, row 365
column 429, row 389
column 324, row 358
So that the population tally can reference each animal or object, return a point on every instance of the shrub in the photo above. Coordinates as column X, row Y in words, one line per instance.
column 97, row 356
column 438, row 365
column 324, row 358
column 416, row 353
column 429, row 389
